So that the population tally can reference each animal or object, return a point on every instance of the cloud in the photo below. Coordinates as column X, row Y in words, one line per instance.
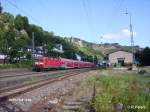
column 125, row 33
column 110, row 36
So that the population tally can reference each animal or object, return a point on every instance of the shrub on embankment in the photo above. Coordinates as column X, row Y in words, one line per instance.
column 23, row 64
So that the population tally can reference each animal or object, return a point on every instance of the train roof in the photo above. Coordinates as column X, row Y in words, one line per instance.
column 74, row 60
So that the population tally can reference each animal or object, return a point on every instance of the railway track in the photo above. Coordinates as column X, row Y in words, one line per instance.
column 47, row 74
column 18, row 75
column 14, row 91
column 29, row 73
column 15, row 72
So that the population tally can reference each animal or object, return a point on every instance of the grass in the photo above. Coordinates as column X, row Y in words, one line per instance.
column 5, row 66
column 114, row 87
column 23, row 64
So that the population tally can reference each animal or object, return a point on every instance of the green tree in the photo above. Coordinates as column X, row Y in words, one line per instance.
column 21, row 22
column 17, row 46
column 70, row 54
column 6, row 42
column 11, row 40
column 8, row 18
column 1, row 8
column 6, row 29
column 143, row 56
column 39, row 35
column 95, row 59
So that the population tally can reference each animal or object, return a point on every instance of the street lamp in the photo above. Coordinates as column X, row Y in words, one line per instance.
column 131, row 34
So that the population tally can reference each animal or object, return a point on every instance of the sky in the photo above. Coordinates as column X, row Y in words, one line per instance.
column 98, row 21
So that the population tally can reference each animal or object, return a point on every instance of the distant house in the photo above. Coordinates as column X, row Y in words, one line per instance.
column 3, row 58
column 78, row 57
column 38, row 51
column 58, row 48
column 75, row 41
column 120, row 57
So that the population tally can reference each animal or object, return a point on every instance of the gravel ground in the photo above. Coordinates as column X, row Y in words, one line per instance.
column 8, row 71
column 17, row 80
column 28, row 101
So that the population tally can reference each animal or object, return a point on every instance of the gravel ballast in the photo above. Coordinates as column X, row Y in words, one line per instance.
column 29, row 100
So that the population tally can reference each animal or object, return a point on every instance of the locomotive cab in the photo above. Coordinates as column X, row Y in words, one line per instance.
column 38, row 64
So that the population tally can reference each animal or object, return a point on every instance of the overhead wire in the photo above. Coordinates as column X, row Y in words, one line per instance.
column 86, row 10
column 116, row 8
column 24, row 12
column 118, row 4
column 91, row 18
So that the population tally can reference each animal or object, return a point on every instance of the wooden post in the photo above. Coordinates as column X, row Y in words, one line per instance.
column 92, row 109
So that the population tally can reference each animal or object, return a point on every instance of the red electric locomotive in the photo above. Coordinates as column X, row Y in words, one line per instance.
column 59, row 63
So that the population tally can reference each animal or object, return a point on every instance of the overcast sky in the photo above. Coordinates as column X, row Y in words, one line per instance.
column 92, row 20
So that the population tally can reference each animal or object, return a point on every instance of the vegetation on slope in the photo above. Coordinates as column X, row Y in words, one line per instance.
column 90, row 51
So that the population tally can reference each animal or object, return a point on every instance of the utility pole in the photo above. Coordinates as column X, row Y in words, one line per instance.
column 131, row 35
column 33, row 47
column 93, row 59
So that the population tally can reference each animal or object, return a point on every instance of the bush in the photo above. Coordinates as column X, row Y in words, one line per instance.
column 5, row 66
column 142, row 72
column 120, row 90
column 23, row 64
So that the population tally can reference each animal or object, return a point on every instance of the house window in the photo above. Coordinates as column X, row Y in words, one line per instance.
column 121, row 61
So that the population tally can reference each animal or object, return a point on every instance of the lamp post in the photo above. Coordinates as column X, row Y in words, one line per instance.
column 131, row 34
column 33, row 48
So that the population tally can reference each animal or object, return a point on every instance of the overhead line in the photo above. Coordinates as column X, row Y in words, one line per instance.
column 14, row 5
column 115, row 9
column 87, row 16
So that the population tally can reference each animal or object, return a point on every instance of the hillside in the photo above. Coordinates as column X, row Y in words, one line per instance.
column 100, row 49
column 16, row 36
column 85, row 47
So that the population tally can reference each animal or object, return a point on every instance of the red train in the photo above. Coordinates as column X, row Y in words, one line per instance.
column 46, row 63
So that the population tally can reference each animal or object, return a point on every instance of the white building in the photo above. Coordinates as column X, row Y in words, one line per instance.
column 2, row 57
column 58, row 48
column 120, row 57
